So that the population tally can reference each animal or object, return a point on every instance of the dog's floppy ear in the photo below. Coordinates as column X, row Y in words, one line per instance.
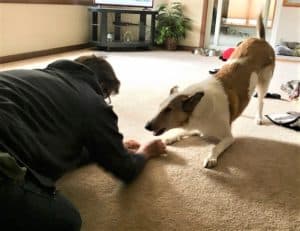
column 189, row 104
column 174, row 90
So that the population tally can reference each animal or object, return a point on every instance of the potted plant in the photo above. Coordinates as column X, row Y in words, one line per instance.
column 172, row 25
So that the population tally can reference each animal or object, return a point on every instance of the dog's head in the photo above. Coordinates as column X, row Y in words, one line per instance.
column 106, row 76
column 174, row 111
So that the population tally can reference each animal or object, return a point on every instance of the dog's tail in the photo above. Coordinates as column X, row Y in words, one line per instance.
column 260, row 27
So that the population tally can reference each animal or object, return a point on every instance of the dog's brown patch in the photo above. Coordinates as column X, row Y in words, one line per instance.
column 250, row 56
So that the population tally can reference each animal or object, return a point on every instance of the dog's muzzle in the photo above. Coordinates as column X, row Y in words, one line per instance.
column 148, row 126
column 156, row 132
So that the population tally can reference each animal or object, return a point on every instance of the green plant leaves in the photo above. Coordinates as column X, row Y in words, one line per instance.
column 171, row 22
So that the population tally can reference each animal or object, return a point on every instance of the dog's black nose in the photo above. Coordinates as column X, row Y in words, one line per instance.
column 149, row 126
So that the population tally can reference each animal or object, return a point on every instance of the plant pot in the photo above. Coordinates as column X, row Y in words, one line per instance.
column 171, row 44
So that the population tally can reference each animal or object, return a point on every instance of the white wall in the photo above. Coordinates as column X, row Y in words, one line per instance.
column 286, row 24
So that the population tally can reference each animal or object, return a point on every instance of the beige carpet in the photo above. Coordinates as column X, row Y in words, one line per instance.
column 256, row 185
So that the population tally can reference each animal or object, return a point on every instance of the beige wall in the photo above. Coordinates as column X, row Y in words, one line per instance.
column 158, row 2
column 34, row 27
column 193, row 10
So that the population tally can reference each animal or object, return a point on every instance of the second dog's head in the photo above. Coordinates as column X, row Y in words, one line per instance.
column 106, row 76
column 174, row 111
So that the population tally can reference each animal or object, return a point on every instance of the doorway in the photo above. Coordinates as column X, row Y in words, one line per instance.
column 232, row 21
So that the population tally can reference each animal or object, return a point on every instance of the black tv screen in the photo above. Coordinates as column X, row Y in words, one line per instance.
column 137, row 3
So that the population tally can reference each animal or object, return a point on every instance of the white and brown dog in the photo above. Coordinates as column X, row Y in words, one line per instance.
column 212, row 105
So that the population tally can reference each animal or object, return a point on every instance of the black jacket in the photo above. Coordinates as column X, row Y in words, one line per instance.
column 49, row 117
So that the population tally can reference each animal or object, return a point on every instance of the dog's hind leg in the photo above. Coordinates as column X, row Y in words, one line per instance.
column 262, row 88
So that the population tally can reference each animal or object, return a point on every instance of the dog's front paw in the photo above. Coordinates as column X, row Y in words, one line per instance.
column 258, row 121
column 210, row 162
column 171, row 140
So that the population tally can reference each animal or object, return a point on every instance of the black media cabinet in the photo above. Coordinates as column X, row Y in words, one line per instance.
column 122, row 28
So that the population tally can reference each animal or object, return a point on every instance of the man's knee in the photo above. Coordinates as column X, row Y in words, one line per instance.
column 72, row 221
column 68, row 217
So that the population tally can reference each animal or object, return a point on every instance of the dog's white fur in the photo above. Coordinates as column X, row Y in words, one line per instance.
column 224, row 98
column 210, row 117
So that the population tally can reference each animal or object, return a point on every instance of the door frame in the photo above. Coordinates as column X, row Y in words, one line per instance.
column 206, row 21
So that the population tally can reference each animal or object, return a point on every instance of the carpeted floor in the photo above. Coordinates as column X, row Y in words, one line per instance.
column 256, row 185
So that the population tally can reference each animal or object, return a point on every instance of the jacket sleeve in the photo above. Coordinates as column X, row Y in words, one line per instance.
column 104, row 143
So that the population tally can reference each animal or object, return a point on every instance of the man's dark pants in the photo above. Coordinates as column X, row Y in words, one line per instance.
column 29, row 206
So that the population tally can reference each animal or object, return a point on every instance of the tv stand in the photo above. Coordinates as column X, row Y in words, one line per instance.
column 122, row 28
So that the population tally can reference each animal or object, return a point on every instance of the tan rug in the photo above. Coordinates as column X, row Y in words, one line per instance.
column 256, row 185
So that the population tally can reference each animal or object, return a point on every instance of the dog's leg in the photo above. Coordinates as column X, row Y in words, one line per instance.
column 171, row 139
column 262, row 88
column 212, row 160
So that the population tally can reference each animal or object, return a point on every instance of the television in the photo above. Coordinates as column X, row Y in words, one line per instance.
column 134, row 3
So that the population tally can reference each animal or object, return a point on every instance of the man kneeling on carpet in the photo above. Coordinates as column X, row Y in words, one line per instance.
column 54, row 120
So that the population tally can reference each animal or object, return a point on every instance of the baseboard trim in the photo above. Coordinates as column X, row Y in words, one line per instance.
column 34, row 54
column 179, row 48
column 186, row 48
column 287, row 58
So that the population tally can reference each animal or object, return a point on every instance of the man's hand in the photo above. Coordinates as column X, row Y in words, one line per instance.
column 152, row 149
column 132, row 145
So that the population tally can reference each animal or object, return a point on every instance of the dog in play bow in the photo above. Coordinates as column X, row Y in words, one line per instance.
column 212, row 105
